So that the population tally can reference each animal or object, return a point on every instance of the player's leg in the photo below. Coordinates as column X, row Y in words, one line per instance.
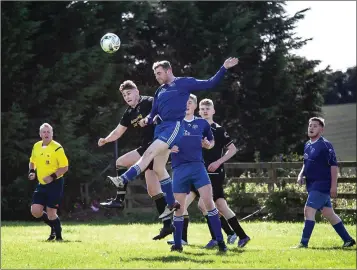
column 155, row 192
column 181, row 187
column 167, row 135
column 37, row 208
column 337, row 224
column 178, row 222
column 204, row 187
column 153, row 150
column 314, row 202
column 160, row 162
column 213, row 216
column 229, row 219
column 230, row 216
column 54, row 194
column 122, row 163
column 186, row 219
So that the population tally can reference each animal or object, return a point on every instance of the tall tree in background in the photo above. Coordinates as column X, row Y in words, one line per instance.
column 59, row 74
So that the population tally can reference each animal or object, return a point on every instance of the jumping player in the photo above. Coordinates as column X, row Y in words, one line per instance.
column 320, row 170
column 170, row 103
column 138, row 107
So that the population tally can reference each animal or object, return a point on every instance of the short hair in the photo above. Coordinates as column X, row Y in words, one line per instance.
column 206, row 102
column 164, row 64
column 193, row 97
column 127, row 85
column 318, row 119
column 45, row 125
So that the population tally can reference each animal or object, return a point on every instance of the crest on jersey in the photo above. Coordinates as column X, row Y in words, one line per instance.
column 312, row 150
column 226, row 134
column 195, row 126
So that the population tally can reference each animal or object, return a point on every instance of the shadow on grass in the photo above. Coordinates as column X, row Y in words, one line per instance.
column 170, row 258
column 200, row 247
column 334, row 248
column 63, row 241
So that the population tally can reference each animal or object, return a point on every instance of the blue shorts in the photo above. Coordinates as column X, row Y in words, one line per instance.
column 318, row 200
column 49, row 195
column 188, row 174
column 169, row 132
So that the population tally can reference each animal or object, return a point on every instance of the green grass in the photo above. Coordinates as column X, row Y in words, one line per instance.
column 105, row 245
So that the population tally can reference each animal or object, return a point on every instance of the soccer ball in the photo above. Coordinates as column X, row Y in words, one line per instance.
column 110, row 43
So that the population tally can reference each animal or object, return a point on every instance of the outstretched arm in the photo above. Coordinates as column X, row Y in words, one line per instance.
column 193, row 84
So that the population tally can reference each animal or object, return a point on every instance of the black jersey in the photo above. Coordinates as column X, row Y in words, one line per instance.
column 132, row 116
column 221, row 142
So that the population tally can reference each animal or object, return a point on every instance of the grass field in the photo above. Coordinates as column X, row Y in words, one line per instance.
column 105, row 245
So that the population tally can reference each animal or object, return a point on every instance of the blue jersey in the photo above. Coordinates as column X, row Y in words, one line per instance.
column 319, row 156
column 170, row 100
column 190, row 145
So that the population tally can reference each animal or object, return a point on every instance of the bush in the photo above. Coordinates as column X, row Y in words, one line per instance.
column 238, row 199
column 282, row 205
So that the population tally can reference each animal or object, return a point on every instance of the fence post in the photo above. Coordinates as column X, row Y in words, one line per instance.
column 85, row 193
column 272, row 178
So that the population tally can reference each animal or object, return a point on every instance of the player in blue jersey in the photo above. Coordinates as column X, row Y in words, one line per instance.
column 320, row 170
column 189, row 169
column 169, row 107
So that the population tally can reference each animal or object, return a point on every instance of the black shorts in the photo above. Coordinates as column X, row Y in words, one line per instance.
column 50, row 194
column 141, row 150
column 217, row 181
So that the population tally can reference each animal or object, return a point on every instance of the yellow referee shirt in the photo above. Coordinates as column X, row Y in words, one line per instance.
column 48, row 159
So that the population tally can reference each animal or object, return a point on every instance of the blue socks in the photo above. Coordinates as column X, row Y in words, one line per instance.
column 131, row 173
column 215, row 222
column 178, row 224
column 166, row 187
column 342, row 232
column 307, row 231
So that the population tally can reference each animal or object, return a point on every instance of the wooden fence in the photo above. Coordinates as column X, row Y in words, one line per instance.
column 138, row 201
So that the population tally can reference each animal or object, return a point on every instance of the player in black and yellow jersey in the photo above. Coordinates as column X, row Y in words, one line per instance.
column 48, row 163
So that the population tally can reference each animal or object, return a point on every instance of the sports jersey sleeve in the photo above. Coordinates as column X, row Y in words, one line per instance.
column 191, row 84
column 330, row 155
column 125, row 121
column 61, row 157
column 226, row 139
column 32, row 157
column 154, row 109
column 207, row 132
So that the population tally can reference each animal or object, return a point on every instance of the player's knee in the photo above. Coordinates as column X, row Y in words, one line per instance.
column 36, row 212
column 52, row 213
column 120, row 163
column 309, row 213
column 329, row 214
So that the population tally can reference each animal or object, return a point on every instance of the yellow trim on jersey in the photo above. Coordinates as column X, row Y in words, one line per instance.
column 48, row 159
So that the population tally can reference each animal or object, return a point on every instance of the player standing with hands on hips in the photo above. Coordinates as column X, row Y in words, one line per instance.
column 169, row 106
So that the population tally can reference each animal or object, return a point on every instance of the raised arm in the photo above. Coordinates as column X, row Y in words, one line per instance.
column 192, row 84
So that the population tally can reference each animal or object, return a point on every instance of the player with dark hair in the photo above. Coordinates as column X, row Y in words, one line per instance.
column 138, row 107
column 320, row 170
column 170, row 103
